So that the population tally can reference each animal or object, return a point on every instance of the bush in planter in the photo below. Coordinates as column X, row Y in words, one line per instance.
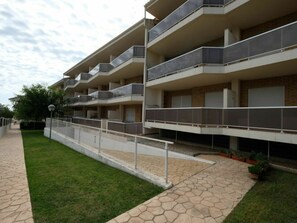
column 258, row 170
column 32, row 125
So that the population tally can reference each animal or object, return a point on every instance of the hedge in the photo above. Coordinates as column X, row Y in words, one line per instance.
column 32, row 125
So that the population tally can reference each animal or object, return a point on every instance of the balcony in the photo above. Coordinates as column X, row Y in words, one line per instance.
column 130, row 128
column 133, row 52
column 83, row 77
column 70, row 83
column 182, row 12
column 279, row 119
column 274, row 41
column 134, row 89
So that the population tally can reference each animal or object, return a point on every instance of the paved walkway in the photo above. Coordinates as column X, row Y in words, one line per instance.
column 15, row 204
column 206, row 197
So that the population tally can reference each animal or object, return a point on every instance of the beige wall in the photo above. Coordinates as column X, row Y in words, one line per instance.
column 289, row 82
column 268, row 26
column 138, row 79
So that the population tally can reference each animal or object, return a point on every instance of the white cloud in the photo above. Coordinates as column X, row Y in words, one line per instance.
column 39, row 40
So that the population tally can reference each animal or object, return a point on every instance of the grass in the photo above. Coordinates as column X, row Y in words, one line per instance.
column 273, row 201
column 66, row 186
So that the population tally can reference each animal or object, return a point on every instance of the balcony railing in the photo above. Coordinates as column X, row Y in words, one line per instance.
column 87, row 121
column 130, row 89
column 182, row 12
column 134, row 51
column 101, row 67
column 80, row 98
column 70, row 82
column 198, row 57
column 269, row 118
column 83, row 77
column 130, row 128
column 270, row 42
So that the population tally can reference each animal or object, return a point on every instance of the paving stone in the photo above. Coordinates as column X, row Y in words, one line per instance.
column 170, row 215
column 146, row 216
column 155, row 210
column 160, row 219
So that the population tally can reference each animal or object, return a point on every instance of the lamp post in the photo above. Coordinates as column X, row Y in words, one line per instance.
column 51, row 108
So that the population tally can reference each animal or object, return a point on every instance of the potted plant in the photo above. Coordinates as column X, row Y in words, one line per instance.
column 257, row 171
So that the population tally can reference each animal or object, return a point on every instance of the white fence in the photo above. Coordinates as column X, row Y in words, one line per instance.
column 143, row 155
column 4, row 125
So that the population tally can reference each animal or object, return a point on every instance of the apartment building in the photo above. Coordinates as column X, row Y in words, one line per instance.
column 106, row 88
column 221, row 73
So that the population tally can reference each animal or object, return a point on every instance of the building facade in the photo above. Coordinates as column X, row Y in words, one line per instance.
column 221, row 73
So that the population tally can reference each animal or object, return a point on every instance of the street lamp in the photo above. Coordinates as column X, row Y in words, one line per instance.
column 51, row 108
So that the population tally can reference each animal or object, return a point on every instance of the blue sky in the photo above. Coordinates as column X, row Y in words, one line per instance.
column 41, row 39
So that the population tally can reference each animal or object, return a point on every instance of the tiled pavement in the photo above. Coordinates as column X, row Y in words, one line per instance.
column 206, row 197
column 15, row 205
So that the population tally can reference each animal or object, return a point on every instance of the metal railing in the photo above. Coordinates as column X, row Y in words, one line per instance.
column 4, row 125
column 101, row 67
column 86, row 121
column 198, row 57
column 83, row 77
column 130, row 89
column 182, row 12
column 266, row 43
column 134, row 51
column 268, row 118
column 70, row 82
column 126, row 127
column 143, row 154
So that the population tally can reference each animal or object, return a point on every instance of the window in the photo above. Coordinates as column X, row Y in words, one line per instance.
column 181, row 101
column 130, row 115
column 266, row 97
column 214, row 99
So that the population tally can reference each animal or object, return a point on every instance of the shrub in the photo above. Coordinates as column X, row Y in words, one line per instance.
column 32, row 125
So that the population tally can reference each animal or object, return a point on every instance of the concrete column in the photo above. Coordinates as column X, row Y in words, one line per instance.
column 122, row 82
column 231, row 35
column 235, row 87
column 111, row 58
column 121, row 108
column 228, row 98
column 233, row 144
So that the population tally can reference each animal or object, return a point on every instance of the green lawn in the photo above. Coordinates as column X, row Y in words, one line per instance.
column 273, row 201
column 66, row 186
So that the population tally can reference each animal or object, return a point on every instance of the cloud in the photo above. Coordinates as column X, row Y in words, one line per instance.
column 40, row 40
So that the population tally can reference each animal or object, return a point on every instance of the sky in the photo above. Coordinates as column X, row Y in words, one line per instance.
column 41, row 39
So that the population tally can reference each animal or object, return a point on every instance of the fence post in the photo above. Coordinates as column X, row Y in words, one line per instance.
column 166, row 162
column 282, row 120
column 79, row 135
column 99, row 141
column 135, row 153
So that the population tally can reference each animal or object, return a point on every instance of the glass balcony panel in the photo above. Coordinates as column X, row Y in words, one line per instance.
column 150, row 115
column 212, row 116
column 236, row 117
column 290, row 119
column 135, row 51
column 289, row 35
column 265, row 43
column 185, row 116
column 265, row 118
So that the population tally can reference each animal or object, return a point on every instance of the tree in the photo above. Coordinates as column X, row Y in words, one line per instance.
column 5, row 111
column 34, row 101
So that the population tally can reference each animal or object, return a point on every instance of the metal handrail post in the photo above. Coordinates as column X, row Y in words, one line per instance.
column 166, row 162
column 135, row 153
